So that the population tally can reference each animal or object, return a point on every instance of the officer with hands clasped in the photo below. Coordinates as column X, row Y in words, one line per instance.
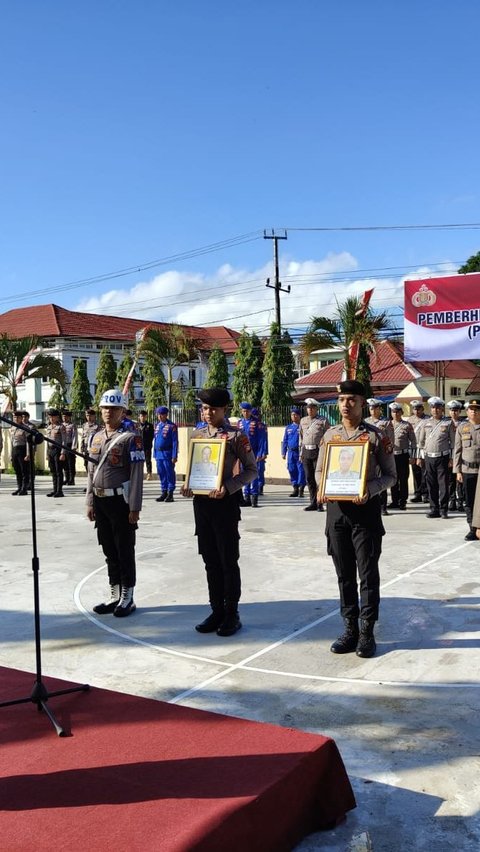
column 312, row 428
column 114, row 500
column 55, row 452
column 165, row 451
column 256, row 433
column 20, row 454
column 466, row 459
column 291, row 451
column 217, row 515
column 436, row 442
column 354, row 528
column 404, row 451
column 416, row 418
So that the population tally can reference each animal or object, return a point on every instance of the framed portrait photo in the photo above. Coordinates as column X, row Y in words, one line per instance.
column 206, row 457
column 344, row 473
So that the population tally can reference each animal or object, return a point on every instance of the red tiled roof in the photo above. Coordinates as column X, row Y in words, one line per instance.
column 386, row 365
column 474, row 386
column 54, row 321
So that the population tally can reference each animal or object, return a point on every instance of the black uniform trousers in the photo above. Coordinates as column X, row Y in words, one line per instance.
column 216, row 527
column 147, row 448
column 419, row 481
column 309, row 461
column 20, row 466
column 437, row 473
column 455, row 489
column 399, row 491
column 56, row 469
column 354, row 541
column 469, row 488
column 116, row 536
column 69, row 468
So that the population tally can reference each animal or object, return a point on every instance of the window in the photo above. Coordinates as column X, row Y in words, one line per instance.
column 455, row 390
column 192, row 377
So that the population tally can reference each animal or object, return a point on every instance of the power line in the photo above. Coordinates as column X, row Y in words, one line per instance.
column 449, row 227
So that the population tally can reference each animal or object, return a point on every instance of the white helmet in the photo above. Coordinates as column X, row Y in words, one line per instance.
column 113, row 398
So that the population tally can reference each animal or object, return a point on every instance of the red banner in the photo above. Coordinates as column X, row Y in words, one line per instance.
column 442, row 318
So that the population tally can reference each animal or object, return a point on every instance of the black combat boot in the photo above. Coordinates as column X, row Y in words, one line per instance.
column 169, row 498
column 348, row 641
column 162, row 498
column 231, row 622
column 460, row 506
column 301, row 490
column 247, row 500
column 212, row 621
column 109, row 606
column 471, row 536
column 366, row 641
column 452, row 506
column 255, row 501
column 312, row 507
column 294, row 492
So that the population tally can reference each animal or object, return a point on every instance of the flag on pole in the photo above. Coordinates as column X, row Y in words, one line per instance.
column 354, row 348
column 139, row 335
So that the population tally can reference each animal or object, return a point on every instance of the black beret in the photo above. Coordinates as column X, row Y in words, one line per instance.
column 66, row 412
column 53, row 412
column 216, row 397
column 352, row 386
column 18, row 412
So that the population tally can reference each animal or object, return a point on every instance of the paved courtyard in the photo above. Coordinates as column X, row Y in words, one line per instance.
column 406, row 721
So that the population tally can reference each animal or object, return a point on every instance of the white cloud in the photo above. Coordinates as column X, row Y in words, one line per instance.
column 237, row 297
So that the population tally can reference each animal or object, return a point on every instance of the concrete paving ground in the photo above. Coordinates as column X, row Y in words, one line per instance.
column 405, row 722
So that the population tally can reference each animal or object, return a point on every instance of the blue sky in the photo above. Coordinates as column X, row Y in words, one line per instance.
column 136, row 131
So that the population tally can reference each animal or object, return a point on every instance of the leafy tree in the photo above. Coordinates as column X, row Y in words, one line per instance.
column 278, row 371
column 471, row 265
column 122, row 374
column 13, row 351
column 81, row 397
column 106, row 373
column 58, row 398
column 217, row 375
column 154, row 386
column 168, row 349
column 350, row 326
column 247, row 376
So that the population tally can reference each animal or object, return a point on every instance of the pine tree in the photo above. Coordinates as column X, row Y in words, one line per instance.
column 247, row 376
column 154, row 386
column 106, row 373
column 123, row 370
column 80, row 395
column 217, row 376
column 278, row 372
column 58, row 398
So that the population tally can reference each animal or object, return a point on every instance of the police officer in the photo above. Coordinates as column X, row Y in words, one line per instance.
column 354, row 528
column 88, row 429
column 291, row 451
column 217, row 515
column 404, row 450
column 145, row 428
column 420, row 491
column 256, row 434
column 165, row 452
column 376, row 419
column 55, row 452
column 20, row 454
column 32, row 446
column 71, row 442
column 262, row 459
column 114, row 500
column 436, row 441
column 455, row 487
column 466, row 459
column 312, row 429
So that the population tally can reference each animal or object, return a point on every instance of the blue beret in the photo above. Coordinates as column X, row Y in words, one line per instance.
column 295, row 409
column 162, row 409
column 246, row 405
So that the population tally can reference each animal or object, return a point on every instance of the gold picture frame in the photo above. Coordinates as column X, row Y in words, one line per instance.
column 344, row 472
column 206, row 459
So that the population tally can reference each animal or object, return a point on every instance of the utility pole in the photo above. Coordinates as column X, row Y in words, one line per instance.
column 277, row 286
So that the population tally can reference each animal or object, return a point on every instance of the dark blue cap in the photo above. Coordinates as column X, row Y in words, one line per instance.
column 246, row 405
column 295, row 409
column 162, row 409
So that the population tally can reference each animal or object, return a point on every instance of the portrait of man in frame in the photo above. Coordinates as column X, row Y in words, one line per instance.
column 205, row 465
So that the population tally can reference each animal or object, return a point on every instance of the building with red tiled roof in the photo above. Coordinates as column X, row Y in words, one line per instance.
column 70, row 335
column 390, row 375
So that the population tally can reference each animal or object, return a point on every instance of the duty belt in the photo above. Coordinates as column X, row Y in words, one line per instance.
column 310, row 447
column 400, row 452
column 108, row 492
column 437, row 455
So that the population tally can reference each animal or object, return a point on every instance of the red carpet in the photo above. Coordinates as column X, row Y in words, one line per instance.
column 138, row 774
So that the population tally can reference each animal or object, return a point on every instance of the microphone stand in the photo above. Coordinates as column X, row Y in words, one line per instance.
column 40, row 694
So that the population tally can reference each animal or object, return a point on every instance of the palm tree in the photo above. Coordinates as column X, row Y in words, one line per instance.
column 26, row 351
column 351, row 325
column 168, row 349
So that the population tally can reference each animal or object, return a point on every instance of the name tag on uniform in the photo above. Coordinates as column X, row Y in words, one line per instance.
column 137, row 455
